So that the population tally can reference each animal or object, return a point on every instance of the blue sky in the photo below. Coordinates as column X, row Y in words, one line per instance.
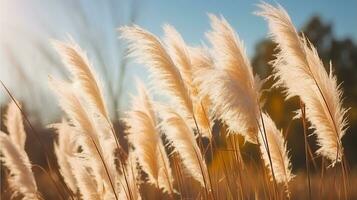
column 24, row 21
column 190, row 17
column 191, row 20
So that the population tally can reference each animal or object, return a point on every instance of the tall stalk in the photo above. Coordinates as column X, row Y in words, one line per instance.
column 303, row 118
column 265, row 141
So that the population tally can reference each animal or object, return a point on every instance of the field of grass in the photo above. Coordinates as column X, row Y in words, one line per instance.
column 209, row 139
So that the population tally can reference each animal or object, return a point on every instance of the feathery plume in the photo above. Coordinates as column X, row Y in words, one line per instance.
column 21, row 178
column 148, row 50
column 65, row 148
column 299, row 69
column 278, row 152
column 78, row 65
column 14, row 125
column 102, row 161
column 179, row 53
column 86, row 184
column 201, row 61
column 144, row 137
column 200, row 58
column 182, row 138
column 84, row 77
column 231, row 85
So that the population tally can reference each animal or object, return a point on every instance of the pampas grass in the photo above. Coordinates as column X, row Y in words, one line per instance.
column 202, row 85
column 178, row 51
column 81, row 70
column 14, row 125
column 65, row 149
column 144, row 136
column 21, row 179
column 85, row 182
column 299, row 69
column 83, row 78
column 148, row 50
column 279, row 155
column 101, row 160
column 183, row 140
column 180, row 54
column 233, row 89
column 129, row 186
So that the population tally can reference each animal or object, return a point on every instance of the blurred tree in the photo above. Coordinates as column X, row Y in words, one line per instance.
column 343, row 55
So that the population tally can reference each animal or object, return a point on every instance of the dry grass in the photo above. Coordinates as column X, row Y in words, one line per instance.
column 194, row 146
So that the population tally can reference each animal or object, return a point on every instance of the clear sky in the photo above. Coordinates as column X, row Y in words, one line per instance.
column 23, row 22
column 190, row 17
